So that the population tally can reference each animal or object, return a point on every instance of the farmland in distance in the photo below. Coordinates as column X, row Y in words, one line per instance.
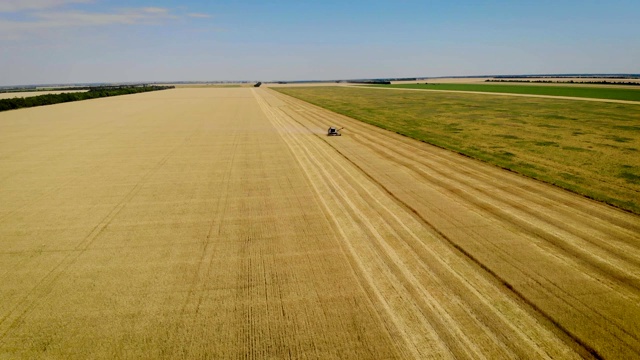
column 596, row 92
column 224, row 223
column 591, row 148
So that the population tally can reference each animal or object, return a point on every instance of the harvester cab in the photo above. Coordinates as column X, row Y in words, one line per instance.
column 334, row 131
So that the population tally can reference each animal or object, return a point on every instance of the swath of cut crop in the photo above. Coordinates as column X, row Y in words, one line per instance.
column 223, row 223
column 523, row 232
column 396, row 245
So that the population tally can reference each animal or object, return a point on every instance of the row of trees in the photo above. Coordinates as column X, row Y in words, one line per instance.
column 93, row 93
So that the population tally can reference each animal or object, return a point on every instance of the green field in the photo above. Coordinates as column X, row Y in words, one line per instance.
column 591, row 148
column 573, row 91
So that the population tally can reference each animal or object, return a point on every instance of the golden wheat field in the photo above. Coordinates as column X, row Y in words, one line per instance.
column 223, row 223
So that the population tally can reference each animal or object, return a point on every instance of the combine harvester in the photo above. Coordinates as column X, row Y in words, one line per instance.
column 334, row 132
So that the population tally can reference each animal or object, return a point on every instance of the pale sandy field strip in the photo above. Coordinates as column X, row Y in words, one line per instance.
column 509, row 94
column 11, row 95
column 223, row 223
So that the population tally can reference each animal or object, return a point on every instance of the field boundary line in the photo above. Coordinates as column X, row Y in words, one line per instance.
column 505, row 94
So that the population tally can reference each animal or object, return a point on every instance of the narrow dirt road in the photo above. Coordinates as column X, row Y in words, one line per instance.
column 224, row 223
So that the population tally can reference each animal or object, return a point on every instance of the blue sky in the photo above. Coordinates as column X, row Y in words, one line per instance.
column 73, row 41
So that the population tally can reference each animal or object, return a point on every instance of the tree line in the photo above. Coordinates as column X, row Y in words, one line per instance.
column 92, row 93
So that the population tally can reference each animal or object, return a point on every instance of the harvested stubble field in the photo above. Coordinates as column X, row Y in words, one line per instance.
column 591, row 148
column 223, row 223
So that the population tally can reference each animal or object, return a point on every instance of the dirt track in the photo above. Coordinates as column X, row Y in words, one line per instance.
column 224, row 223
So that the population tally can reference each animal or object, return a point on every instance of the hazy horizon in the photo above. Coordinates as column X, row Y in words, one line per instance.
column 93, row 41
column 222, row 81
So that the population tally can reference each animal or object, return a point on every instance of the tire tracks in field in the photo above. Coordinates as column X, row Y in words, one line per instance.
column 476, row 170
column 583, row 246
column 359, row 268
column 623, row 227
column 46, row 284
column 369, row 176
column 462, row 184
column 465, row 175
column 52, row 189
column 488, row 269
column 619, row 262
column 397, row 249
column 205, row 261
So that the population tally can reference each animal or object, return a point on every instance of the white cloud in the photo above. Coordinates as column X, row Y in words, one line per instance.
column 39, row 16
column 82, row 18
column 199, row 15
column 9, row 6
column 40, row 21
